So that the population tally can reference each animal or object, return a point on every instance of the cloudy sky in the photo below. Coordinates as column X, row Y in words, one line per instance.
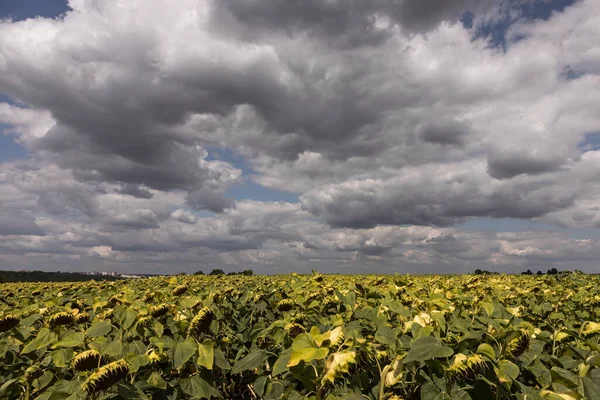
column 341, row 135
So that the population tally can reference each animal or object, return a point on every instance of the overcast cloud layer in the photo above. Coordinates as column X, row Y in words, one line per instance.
column 391, row 120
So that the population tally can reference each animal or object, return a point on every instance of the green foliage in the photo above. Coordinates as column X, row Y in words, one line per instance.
column 303, row 337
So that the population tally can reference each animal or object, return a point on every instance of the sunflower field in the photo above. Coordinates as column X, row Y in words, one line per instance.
column 303, row 337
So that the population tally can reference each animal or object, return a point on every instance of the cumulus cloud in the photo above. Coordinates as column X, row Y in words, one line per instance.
column 390, row 119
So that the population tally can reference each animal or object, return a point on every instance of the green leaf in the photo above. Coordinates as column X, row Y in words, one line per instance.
column 70, row 339
column 590, row 389
column 113, row 349
column 28, row 321
column 260, row 385
column 385, row 335
column 220, row 360
column 593, row 360
column 253, row 360
column 62, row 357
column 137, row 361
column 564, row 377
column 4, row 388
column 507, row 371
column 155, row 380
column 99, row 328
column 486, row 350
column 427, row 348
column 197, row 388
column 305, row 349
column 128, row 318
column 206, row 354
column 280, row 365
column 429, row 391
column 488, row 307
column 128, row 391
column 183, row 351
column 44, row 338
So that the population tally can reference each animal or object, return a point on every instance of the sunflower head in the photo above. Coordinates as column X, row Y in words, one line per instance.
column 466, row 368
column 82, row 318
column 294, row 329
column 61, row 318
column 285, row 305
column 201, row 322
column 179, row 290
column 106, row 376
column 33, row 372
column 160, row 310
column 86, row 360
column 519, row 344
column 8, row 322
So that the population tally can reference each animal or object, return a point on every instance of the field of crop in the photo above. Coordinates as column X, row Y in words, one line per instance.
column 303, row 337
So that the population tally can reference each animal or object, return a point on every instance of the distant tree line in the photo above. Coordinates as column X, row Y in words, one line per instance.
column 552, row 271
column 43, row 276
column 217, row 271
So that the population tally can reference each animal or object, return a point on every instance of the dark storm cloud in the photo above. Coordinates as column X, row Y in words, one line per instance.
column 445, row 133
column 350, row 23
column 10, row 225
column 508, row 165
column 135, row 191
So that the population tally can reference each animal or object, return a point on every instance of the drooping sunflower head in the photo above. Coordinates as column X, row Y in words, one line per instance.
column 160, row 310
column 78, row 304
column 107, row 314
column 82, row 318
column 8, row 322
column 148, row 296
column 294, row 329
column 179, row 290
column 285, row 305
column 258, row 297
column 86, row 360
column 33, row 372
column 61, row 318
column 114, row 300
column 156, row 357
column 106, row 376
column 466, row 368
column 519, row 344
column 201, row 322
column 144, row 321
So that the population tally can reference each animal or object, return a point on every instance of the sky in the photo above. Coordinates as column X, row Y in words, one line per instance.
column 355, row 136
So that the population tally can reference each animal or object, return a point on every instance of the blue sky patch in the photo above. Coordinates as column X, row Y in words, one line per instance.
column 19, row 10
column 495, row 32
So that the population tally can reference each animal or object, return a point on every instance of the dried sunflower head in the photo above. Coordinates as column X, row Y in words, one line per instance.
column 86, row 360
column 114, row 300
column 201, row 322
column 148, row 296
column 33, row 372
column 78, row 304
column 106, row 376
column 179, row 290
column 465, row 369
column 82, row 318
column 294, row 329
column 518, row 345
column 258, row 297
column 160, row 310
column 285, row 305
column 8, row 322
column 105, row 314
column 61, row 318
